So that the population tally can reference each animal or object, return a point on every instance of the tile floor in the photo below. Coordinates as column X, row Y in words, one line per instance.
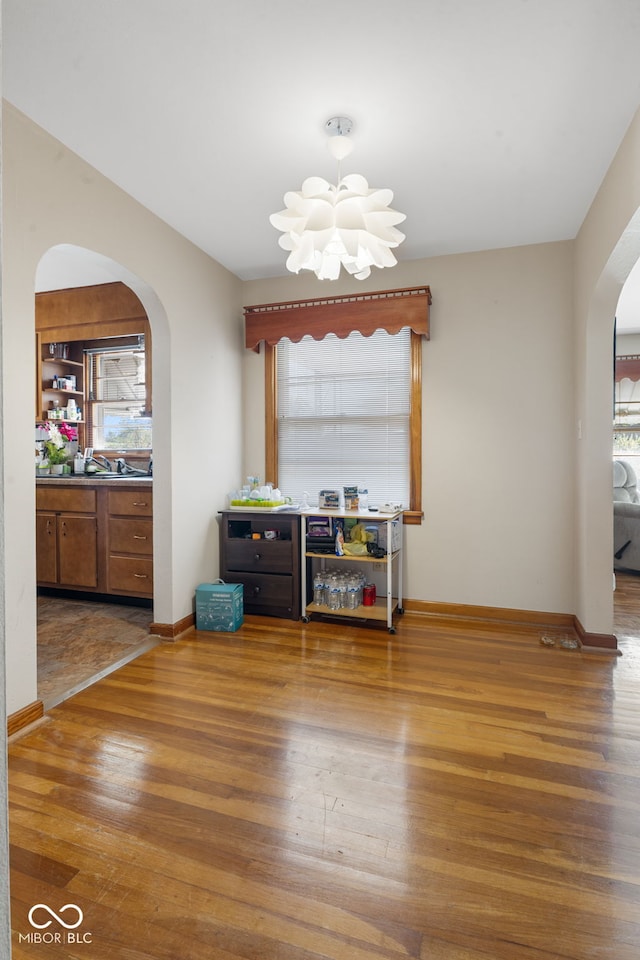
column 80, row 641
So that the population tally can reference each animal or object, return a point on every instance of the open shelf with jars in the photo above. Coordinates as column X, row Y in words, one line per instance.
column 60, row 378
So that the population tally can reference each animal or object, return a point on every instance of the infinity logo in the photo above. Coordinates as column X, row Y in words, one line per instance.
column 56, row 916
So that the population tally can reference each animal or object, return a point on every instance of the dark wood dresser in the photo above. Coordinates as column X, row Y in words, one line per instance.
column 267, row 566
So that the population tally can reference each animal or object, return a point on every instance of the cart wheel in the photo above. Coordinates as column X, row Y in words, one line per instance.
column 305, row 619
column 392, row 629
column 400, row 610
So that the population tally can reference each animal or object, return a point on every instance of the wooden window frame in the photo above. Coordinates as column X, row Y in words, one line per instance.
column 414, row 514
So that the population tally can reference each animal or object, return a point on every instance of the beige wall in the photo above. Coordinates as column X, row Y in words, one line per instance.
column 628, row 343
column 51, row 197
column 497, row 412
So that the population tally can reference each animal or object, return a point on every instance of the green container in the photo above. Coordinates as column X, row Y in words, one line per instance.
column 219, row 606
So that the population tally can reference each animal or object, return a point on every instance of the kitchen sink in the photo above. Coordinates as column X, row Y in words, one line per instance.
column 118, row 476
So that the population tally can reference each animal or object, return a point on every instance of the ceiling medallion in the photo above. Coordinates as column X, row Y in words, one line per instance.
column 350, row 225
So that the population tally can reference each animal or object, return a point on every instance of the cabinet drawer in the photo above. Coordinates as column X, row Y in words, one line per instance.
column 131, row 503
column 130, row 536
column 262, row 590
column 71, row 499
column 270, row 556
column 131, row 575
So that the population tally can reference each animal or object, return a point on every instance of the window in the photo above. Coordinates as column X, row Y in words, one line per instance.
column 343, row 401
column 626, row 422
column 348, row 411
column 118, row 417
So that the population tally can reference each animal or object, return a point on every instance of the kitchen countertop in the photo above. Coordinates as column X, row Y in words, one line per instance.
column 82, row 480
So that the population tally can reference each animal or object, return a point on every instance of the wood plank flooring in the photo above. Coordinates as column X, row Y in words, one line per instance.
column 626, row 605
column 296, row 792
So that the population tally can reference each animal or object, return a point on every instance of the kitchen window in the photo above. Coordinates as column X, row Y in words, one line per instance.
column 118, row 415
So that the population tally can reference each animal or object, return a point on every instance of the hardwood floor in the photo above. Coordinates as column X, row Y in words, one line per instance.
column 626, row 605
column 288, row 792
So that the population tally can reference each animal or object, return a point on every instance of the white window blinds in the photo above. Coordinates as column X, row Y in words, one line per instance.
column 344, row 414
column 118, row 419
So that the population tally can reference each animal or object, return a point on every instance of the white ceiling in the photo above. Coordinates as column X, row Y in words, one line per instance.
column 493, row 121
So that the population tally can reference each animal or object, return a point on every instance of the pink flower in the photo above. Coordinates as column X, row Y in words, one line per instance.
column 68, row 432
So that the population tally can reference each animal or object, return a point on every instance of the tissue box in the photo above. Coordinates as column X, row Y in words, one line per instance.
column 219, row 606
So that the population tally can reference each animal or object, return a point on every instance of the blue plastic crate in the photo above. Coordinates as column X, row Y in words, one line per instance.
column 219, row 606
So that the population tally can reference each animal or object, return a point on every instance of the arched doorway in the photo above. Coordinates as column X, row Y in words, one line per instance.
column 594, row 372
column 626, row 453
column 85, row 628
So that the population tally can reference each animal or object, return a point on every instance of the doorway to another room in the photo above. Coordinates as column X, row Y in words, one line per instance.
column 626, row 457
column 94, row 540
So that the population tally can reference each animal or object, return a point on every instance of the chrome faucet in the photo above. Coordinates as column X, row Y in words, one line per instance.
column 105, row 463
column 124, row 468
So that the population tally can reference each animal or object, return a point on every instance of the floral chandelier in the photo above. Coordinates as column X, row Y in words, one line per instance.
column 350, row 225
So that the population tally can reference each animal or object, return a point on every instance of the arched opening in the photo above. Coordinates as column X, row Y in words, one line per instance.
column 594, row 469
column 626, row 454
column 93, row 615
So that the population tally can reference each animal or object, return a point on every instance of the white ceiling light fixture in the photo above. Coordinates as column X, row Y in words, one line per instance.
column 350, row 225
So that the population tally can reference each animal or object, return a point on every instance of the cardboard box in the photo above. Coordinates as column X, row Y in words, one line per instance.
column 219, row 606
column 329, row 500
column 396, row 535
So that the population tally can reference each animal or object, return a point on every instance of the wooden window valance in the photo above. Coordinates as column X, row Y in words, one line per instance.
column 627, row 368
column 389, row 310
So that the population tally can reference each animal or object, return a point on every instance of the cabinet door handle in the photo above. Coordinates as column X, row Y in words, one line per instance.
column 141, row 576
column 136, row 536
column 139, row 503
column 258, row 556
column 256, row 591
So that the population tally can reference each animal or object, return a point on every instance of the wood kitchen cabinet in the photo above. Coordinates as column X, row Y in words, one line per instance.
column 130, row 542
column 267, row 568
column 95, row 538
column 67, row 538
column 67, row 323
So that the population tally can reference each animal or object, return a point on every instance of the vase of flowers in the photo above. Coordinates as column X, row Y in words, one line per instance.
column 58, row 448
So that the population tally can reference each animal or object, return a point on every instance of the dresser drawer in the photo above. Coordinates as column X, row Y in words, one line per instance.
column 265, row 593
column 130, row 536
column 268, row 556
column 131, row 575
column 131, row 503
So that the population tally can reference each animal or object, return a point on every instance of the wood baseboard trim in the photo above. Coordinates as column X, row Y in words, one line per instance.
column 22, row 718
column 603, row 642
column 172, row 631
column 462, row 611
